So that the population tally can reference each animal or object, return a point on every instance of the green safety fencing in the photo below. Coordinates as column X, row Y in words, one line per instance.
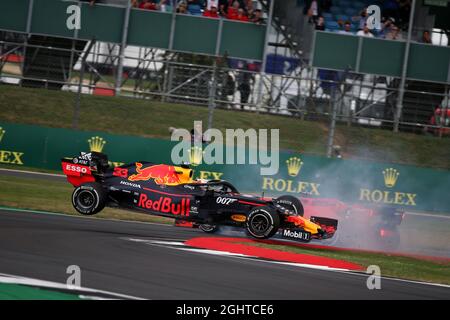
column 383, row 57
column 355, row 181
column 145, row 28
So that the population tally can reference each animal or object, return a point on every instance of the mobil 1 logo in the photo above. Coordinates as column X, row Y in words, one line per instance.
column 297, row 234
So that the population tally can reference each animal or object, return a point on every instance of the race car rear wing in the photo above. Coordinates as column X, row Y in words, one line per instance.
column 85, row 167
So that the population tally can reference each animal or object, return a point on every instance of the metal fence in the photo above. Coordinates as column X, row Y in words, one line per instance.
column 144, row 73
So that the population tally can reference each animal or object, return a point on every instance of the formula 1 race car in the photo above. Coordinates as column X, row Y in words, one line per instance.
column 170, row 191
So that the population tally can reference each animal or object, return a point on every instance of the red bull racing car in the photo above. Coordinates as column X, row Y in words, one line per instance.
column 170, row 191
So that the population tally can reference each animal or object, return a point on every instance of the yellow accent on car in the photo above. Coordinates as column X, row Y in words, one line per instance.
column 311, row 227
column 238, row 217
column 184, row 174
column 304, row 223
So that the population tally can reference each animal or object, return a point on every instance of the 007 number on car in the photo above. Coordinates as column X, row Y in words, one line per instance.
column 225, row 201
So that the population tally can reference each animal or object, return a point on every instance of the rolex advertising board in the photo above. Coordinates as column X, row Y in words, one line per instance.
column 353, row 181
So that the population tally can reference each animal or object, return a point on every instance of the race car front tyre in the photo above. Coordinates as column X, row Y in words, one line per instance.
column 262, row 222
column 291, row 203
column 89, row 198
column 209, row 228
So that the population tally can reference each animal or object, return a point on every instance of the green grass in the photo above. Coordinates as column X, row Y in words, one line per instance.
column 390, row 265
column 21, row 292
column 425, row 234
column 149, row 118
column 55, row 196
column 139, row 117
column 25, row 168
column 384, row 145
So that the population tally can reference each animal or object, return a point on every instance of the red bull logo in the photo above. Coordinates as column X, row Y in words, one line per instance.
column 165, row 205
column 161, row 173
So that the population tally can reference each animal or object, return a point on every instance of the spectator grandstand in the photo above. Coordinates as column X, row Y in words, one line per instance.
column 239, row 10
column 351, row 16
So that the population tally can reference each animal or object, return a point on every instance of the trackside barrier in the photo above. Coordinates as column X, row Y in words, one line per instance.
column 355, row 181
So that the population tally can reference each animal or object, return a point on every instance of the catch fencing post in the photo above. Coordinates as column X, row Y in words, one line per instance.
column 213, row 87
column 76, row 112
column 264, row 57
column 401, row 93
column 122, row 49
column 337, row 86
column 333, row 121
column 173, row 24
column 167, row 82
column 28, row 30
column 72, row 50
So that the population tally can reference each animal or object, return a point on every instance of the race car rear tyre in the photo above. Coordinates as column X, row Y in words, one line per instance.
column 89, row 198
column 209, row 228
column 262, row 222
column 291, row 203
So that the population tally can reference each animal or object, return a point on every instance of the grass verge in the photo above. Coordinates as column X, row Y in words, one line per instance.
column 25, row 168
column 55, row 196
column 120, row 115
column 21, row 292
column 390, row 265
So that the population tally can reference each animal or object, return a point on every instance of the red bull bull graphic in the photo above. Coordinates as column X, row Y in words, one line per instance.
column 161, row 173
column 165, row 205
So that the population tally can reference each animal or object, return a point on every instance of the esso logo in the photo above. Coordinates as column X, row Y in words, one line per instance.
column 226, row 201
column 76, row 168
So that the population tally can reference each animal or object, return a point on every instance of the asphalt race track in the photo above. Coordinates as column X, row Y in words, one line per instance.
column 43, row 246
